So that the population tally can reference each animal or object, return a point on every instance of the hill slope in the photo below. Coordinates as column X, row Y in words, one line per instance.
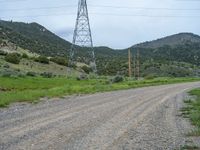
column 173, row 40
column 33, row 37
column 175, row 55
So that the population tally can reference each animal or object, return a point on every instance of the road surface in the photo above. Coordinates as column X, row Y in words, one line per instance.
column 145, row 118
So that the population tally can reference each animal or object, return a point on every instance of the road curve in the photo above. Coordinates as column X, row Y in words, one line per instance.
column 145, row 118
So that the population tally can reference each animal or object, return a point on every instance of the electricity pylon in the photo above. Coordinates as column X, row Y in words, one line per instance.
column 82, row 35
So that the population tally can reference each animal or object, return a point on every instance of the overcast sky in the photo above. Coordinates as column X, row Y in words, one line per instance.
column 114, row 23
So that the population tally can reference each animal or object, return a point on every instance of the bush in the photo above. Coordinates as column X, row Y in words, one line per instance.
column 24, row 55
column 150, row 77
column 47, row 75
column 9, row 73
column 31, row 74
column 6, row 66
column 42, row 59
column 60, row 61
column 86, row 69
column 117, row 79
column 3, row 53
column 82, row 77
column 13, row 58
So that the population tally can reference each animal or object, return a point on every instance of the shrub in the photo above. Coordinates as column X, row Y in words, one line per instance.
column 117, row 79
column 150, row 77
column 6, row 66
column 47, row 74
column 24, row 55
column 3, row 53
column 31, row 74
column 7, row 74
column 86, row 69
column 42, row 59
column 60, row 60
column 82, row 77
column 13, row 58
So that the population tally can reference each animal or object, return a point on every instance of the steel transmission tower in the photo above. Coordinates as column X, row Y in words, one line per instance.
column 82, row 35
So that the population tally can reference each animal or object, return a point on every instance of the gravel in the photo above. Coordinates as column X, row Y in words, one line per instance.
column 145, row 118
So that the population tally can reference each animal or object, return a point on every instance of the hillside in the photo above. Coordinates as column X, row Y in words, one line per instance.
column 173, row 41
column 33, row 37
column 176, row 55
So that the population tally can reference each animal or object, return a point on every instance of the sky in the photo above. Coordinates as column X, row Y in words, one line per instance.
column 114, row 23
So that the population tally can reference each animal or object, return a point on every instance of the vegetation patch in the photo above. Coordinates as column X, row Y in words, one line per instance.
column 192, row 111
column 42, row 59
column 60, row 61
column 3, row 53
column 31, row 89
column 13, row 58
column 117, row 79
column 86, row 69
column 189, row 147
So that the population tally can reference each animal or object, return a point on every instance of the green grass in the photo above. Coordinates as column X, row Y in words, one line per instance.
column 29, row 65
column 192, row 111
column 189, row 147
column 31, row 89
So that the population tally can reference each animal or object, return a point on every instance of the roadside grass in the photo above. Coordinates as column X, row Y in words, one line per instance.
column 31, row 89
column 192, row 111
column 189, row 147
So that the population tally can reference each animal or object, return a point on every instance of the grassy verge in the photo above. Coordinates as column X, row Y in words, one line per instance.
column 192, row 111
column 31, row 89
column 188, row 147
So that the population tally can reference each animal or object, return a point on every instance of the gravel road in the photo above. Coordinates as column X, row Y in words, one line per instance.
column 145, row 118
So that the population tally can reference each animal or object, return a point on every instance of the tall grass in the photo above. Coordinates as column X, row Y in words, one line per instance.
column 192, row 111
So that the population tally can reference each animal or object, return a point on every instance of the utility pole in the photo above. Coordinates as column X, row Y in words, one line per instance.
column 82, row 35
column 135, row 67
column 138, row 64
column 129, row 63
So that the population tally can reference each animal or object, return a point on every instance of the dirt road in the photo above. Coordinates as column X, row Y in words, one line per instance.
column 145, row 118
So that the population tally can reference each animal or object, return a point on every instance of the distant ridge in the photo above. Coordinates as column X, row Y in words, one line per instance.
column 173, row 40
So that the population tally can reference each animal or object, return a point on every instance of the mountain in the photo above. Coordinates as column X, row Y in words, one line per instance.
column 33, row 37
column 175, row 55
column 173, row 40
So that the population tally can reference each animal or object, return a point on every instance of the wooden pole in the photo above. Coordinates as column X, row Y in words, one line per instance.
column 129, row 63
column 135, row 67
column 138, row 64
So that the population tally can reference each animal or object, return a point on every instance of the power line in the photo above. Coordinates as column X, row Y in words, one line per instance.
column 145, row 8
column 104, row 6
column 39, row 8
column 142, row 15
column 11, row 1
column 108, row 14
column 45, row 15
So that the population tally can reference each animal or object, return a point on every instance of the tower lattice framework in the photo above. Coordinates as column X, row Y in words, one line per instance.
column 82, row 35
